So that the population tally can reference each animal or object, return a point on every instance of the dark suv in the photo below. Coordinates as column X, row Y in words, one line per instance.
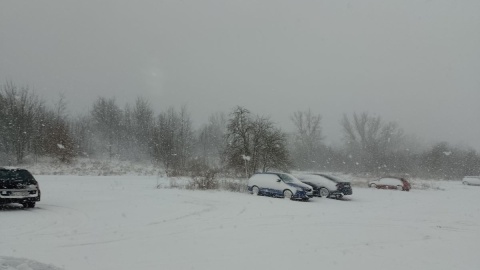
column 18, row 186
column 325, row 185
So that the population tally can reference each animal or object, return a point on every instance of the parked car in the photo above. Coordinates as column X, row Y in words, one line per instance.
column 325, row 185
column 471, row 180
column 18, row 186
column 391, row 183
column 281, row 185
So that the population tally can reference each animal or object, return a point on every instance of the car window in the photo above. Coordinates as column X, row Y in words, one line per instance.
column 390, row 181
column 15, row 175
column 286, row 178
column 8, row 175
column 4, row 175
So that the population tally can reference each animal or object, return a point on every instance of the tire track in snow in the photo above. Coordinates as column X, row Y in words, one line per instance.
column 48, row 217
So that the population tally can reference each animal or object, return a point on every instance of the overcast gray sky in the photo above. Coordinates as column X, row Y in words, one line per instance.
column 414, row 62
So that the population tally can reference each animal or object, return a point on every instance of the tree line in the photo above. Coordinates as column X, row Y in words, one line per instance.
column 238, row 143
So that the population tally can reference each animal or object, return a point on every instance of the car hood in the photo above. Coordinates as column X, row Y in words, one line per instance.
column 299, row 185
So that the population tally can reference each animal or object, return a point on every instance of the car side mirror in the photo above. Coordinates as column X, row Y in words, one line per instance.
column 278, row 180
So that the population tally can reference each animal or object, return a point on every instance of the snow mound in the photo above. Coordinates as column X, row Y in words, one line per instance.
column 11, row 263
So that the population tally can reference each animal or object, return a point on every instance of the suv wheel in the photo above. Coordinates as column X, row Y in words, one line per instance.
column 29, row 205
column 324, row 192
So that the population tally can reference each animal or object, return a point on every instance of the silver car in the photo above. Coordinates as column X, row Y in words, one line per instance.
column 471, row 180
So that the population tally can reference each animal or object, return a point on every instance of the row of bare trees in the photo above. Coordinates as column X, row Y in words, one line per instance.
column 239, row 142
column 28, row 127
column 372, row 145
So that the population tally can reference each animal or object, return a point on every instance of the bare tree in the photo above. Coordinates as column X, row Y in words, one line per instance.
column 128, row 139
column 106, row 116
column 270, row 151
column 17, row 121
column 184, row 137
column 308, row 139
column 143, row 121
column 136, row 130
column 369, row 140
column 57, row 140
column 254, row 144
column 237, row 149
column 82, row 133
column 211, row 139
column 172, row 141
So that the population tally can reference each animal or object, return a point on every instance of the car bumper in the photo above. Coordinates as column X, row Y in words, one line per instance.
column 302, row 195
column 316, row 193
column 19, row 200
column 9, row 198
column 345, row 191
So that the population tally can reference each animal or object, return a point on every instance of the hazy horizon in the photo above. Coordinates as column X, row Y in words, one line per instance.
column 416, row 63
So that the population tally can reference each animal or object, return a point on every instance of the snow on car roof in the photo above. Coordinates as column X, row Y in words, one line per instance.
column 10, row 168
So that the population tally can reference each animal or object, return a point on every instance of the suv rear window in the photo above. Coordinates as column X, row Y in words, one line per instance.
column 16, row 175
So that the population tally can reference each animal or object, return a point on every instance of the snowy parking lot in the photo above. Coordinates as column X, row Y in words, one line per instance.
column 125, row 222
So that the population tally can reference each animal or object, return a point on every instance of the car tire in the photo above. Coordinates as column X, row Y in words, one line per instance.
column 465, row 183
column 338, row 196
column 323, row 192
column 373, row 186
column 287, row 194
column 255, row 190
column 29, row 205
column 399, row 187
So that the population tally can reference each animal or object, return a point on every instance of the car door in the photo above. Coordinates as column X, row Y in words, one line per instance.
column 472, row 180
column 278, row 186
column 390, row 183
column 264, row 184
column 476, row 181
column 270, row 185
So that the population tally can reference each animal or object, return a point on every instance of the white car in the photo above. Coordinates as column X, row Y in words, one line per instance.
column 471, row 180
column 279, row 185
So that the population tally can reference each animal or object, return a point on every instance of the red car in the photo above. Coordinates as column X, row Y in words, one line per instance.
column 391, row 183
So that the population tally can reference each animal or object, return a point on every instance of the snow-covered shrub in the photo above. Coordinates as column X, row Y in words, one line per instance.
column 175, row 183
column 203, row 176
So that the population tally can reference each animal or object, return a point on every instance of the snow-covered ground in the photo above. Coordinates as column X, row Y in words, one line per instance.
column 124, row 222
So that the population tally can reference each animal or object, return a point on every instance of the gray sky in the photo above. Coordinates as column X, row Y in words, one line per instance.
column 414, row 62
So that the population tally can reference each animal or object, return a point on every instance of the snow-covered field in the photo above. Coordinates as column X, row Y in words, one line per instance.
column 124, row 222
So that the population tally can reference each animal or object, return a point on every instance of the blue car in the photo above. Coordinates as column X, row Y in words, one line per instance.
column 280, row 185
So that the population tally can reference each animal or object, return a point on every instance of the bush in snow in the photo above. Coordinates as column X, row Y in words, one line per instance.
column 203, row 176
